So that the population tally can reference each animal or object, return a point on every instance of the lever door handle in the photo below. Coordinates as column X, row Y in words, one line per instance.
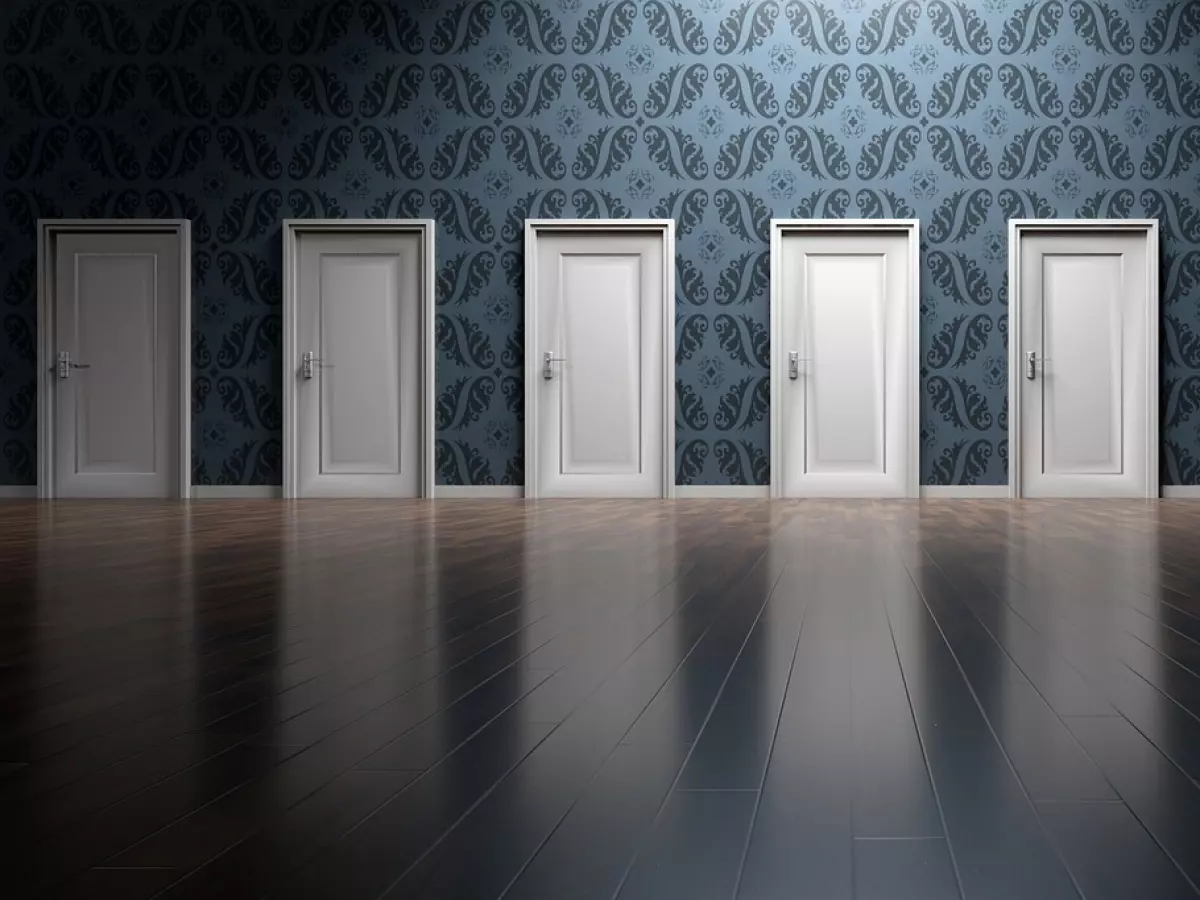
column 794, row 360
column 309, row 363
column 1031, row 361
column 65, row 364
column 548, row 359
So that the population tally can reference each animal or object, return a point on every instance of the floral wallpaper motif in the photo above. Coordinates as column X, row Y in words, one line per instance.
column 719, row 114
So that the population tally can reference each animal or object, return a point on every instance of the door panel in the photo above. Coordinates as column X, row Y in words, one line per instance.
column 845, row 337
column 843, row 406
column 116, row 335
column 1084, row 415
column 1082, row 386
column 360, row 396
column 118, row 416
column 599, row 301
column 359, row 415
column 602, row 301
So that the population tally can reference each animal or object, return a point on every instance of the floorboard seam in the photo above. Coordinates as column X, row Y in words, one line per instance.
column 991, row 728
column 708, row 715
column 598, row 687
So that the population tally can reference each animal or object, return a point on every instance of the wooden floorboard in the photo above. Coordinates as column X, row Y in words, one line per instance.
column 477, row 700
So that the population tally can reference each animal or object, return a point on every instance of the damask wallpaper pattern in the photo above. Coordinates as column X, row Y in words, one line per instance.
column 719, row 114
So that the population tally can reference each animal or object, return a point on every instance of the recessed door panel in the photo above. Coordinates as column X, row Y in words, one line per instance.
column 360, row 394
column 117, row 310
column 598, row 298
column 842, row 366
column 601, row 327
column 1081, row 384
column 846, row 384
column 357, row 367
column 116, row 315
column 1083, row 371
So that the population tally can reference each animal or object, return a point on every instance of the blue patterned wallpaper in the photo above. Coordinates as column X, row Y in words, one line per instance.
column 717, row 113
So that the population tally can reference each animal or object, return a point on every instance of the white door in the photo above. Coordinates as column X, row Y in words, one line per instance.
column 358, row 364
column 844, row 361
column 595, row 362
column 1083, row 364
column 117, row 402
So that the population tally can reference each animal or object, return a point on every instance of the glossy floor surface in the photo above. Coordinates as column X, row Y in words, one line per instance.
column 577, row 700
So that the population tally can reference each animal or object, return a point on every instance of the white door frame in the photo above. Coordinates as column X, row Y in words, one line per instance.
column 1148, row 228
column 911, row 229
column 537, row 227
column 48, row 231
column 425, row 229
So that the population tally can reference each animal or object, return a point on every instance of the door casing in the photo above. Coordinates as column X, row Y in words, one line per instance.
column 425, row 229
column 48, row 231
column 911, row 230
column 1148, row 228
column 534, row 228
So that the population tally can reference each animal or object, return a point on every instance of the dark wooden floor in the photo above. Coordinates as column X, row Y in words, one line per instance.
column 576, row 700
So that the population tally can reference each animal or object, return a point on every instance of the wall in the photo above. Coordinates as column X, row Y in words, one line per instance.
column 721, row 115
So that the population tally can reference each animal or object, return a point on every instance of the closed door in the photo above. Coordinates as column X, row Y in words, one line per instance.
column 357, row 365
column 843, row 363
column 117, row 405
column 1083, row 362
column 599, row 300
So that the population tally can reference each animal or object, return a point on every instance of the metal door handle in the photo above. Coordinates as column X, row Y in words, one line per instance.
column 65, row 365
column 1031, row 362
column 548, row 358
column 309, row 364
column 794, row 361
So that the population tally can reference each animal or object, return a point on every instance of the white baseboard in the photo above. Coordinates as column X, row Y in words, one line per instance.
column 1181, row 491
column 275, row 492
column 964, row 491
column 237, row 491
column 722, row 491
column 682, row 491
column 478, row 492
